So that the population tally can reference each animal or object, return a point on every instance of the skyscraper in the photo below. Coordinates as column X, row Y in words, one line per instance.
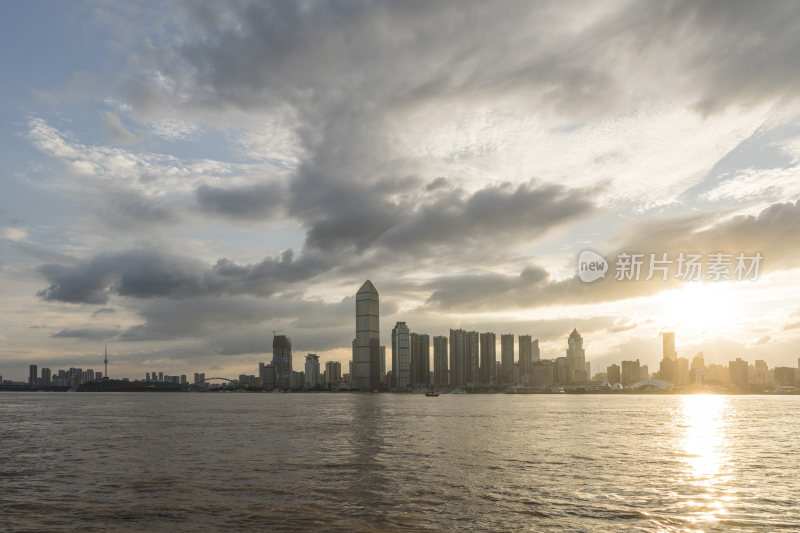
column 401, row 356
column 613, row 375
column 440, row 374
column 669, row 352
column 420, row 359
column 33, row 371
column 458, row 340
column 507, row 358
column 471, row 348
column 367, row 342
column 333, row 373
column 282, row 361
column 312, row 371
column 105, row 360
column 629, row 372
column 738, row 373
column 382, row 376
column 525, row 360
column 488, row 358
column 576, row 358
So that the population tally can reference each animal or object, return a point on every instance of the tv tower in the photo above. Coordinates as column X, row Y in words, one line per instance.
column 105, row 360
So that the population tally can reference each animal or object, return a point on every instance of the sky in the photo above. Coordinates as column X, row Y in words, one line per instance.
column 180, row 180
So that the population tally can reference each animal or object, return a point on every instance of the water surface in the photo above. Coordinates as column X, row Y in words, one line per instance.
column 236, row 462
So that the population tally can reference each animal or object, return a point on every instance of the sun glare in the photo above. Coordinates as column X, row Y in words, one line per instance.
column 700, row 308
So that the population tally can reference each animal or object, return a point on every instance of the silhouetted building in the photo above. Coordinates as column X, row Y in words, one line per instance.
column 784, row 375
column 440, row 374
column 312, row 376
column 458, row 358
column 33, row 373
column 738, row 373
column 682, row 366
column 576, row 359
column 420, row 359
column 525, row 359
column 561, row 370
column 472, row 349
column 629, row 372
column 543, row 373
column 507, row 358
column 613, row 374
column 46, row 376
column 488, row 358
column 333, row 373
column 668, row 370
column 758, row 374
column 296, row 380
column 668, row 346
column 367, row 342
column 382, row 379
column 401, row 356
column 282, row 361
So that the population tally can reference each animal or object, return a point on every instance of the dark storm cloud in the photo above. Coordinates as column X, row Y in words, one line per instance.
column 92, row 334
column 255, row 55
column 255, row 202
column 351, row 72
column 149, row 274
column 494, row 213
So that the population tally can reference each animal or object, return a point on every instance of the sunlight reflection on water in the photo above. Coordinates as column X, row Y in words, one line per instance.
column 705, row 453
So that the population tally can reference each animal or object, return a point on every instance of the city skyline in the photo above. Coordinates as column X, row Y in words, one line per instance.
column 367, row 318
column 473, row 366
column 180, row 180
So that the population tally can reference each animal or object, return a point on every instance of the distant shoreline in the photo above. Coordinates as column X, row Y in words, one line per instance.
column 178, row 389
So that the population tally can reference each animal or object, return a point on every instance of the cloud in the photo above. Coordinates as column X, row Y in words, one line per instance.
column 92, row 334
column 774, row 232
column 256, row 202
column 253, row 56
column 116, row 131
column 143, row 274
column 232, row 322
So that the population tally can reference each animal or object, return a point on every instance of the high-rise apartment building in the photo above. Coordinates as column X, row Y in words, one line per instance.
column 613, row 374
column 401, row 356
column 440, row 374
column 488, row 358
column 525, row 359
column 333, row 373
column 312, row 376
column 507, row 358
column 282, row 361
column 420, row 359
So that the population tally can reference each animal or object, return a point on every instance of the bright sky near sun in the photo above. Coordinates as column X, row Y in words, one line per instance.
column 179, row 179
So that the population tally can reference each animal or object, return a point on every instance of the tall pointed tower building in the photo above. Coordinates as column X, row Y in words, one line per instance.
column 367, row 344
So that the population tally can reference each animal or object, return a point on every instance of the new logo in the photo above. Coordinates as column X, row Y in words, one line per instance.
column 591, row 266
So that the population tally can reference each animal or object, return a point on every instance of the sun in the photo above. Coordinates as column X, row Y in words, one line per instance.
column 699, row 309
